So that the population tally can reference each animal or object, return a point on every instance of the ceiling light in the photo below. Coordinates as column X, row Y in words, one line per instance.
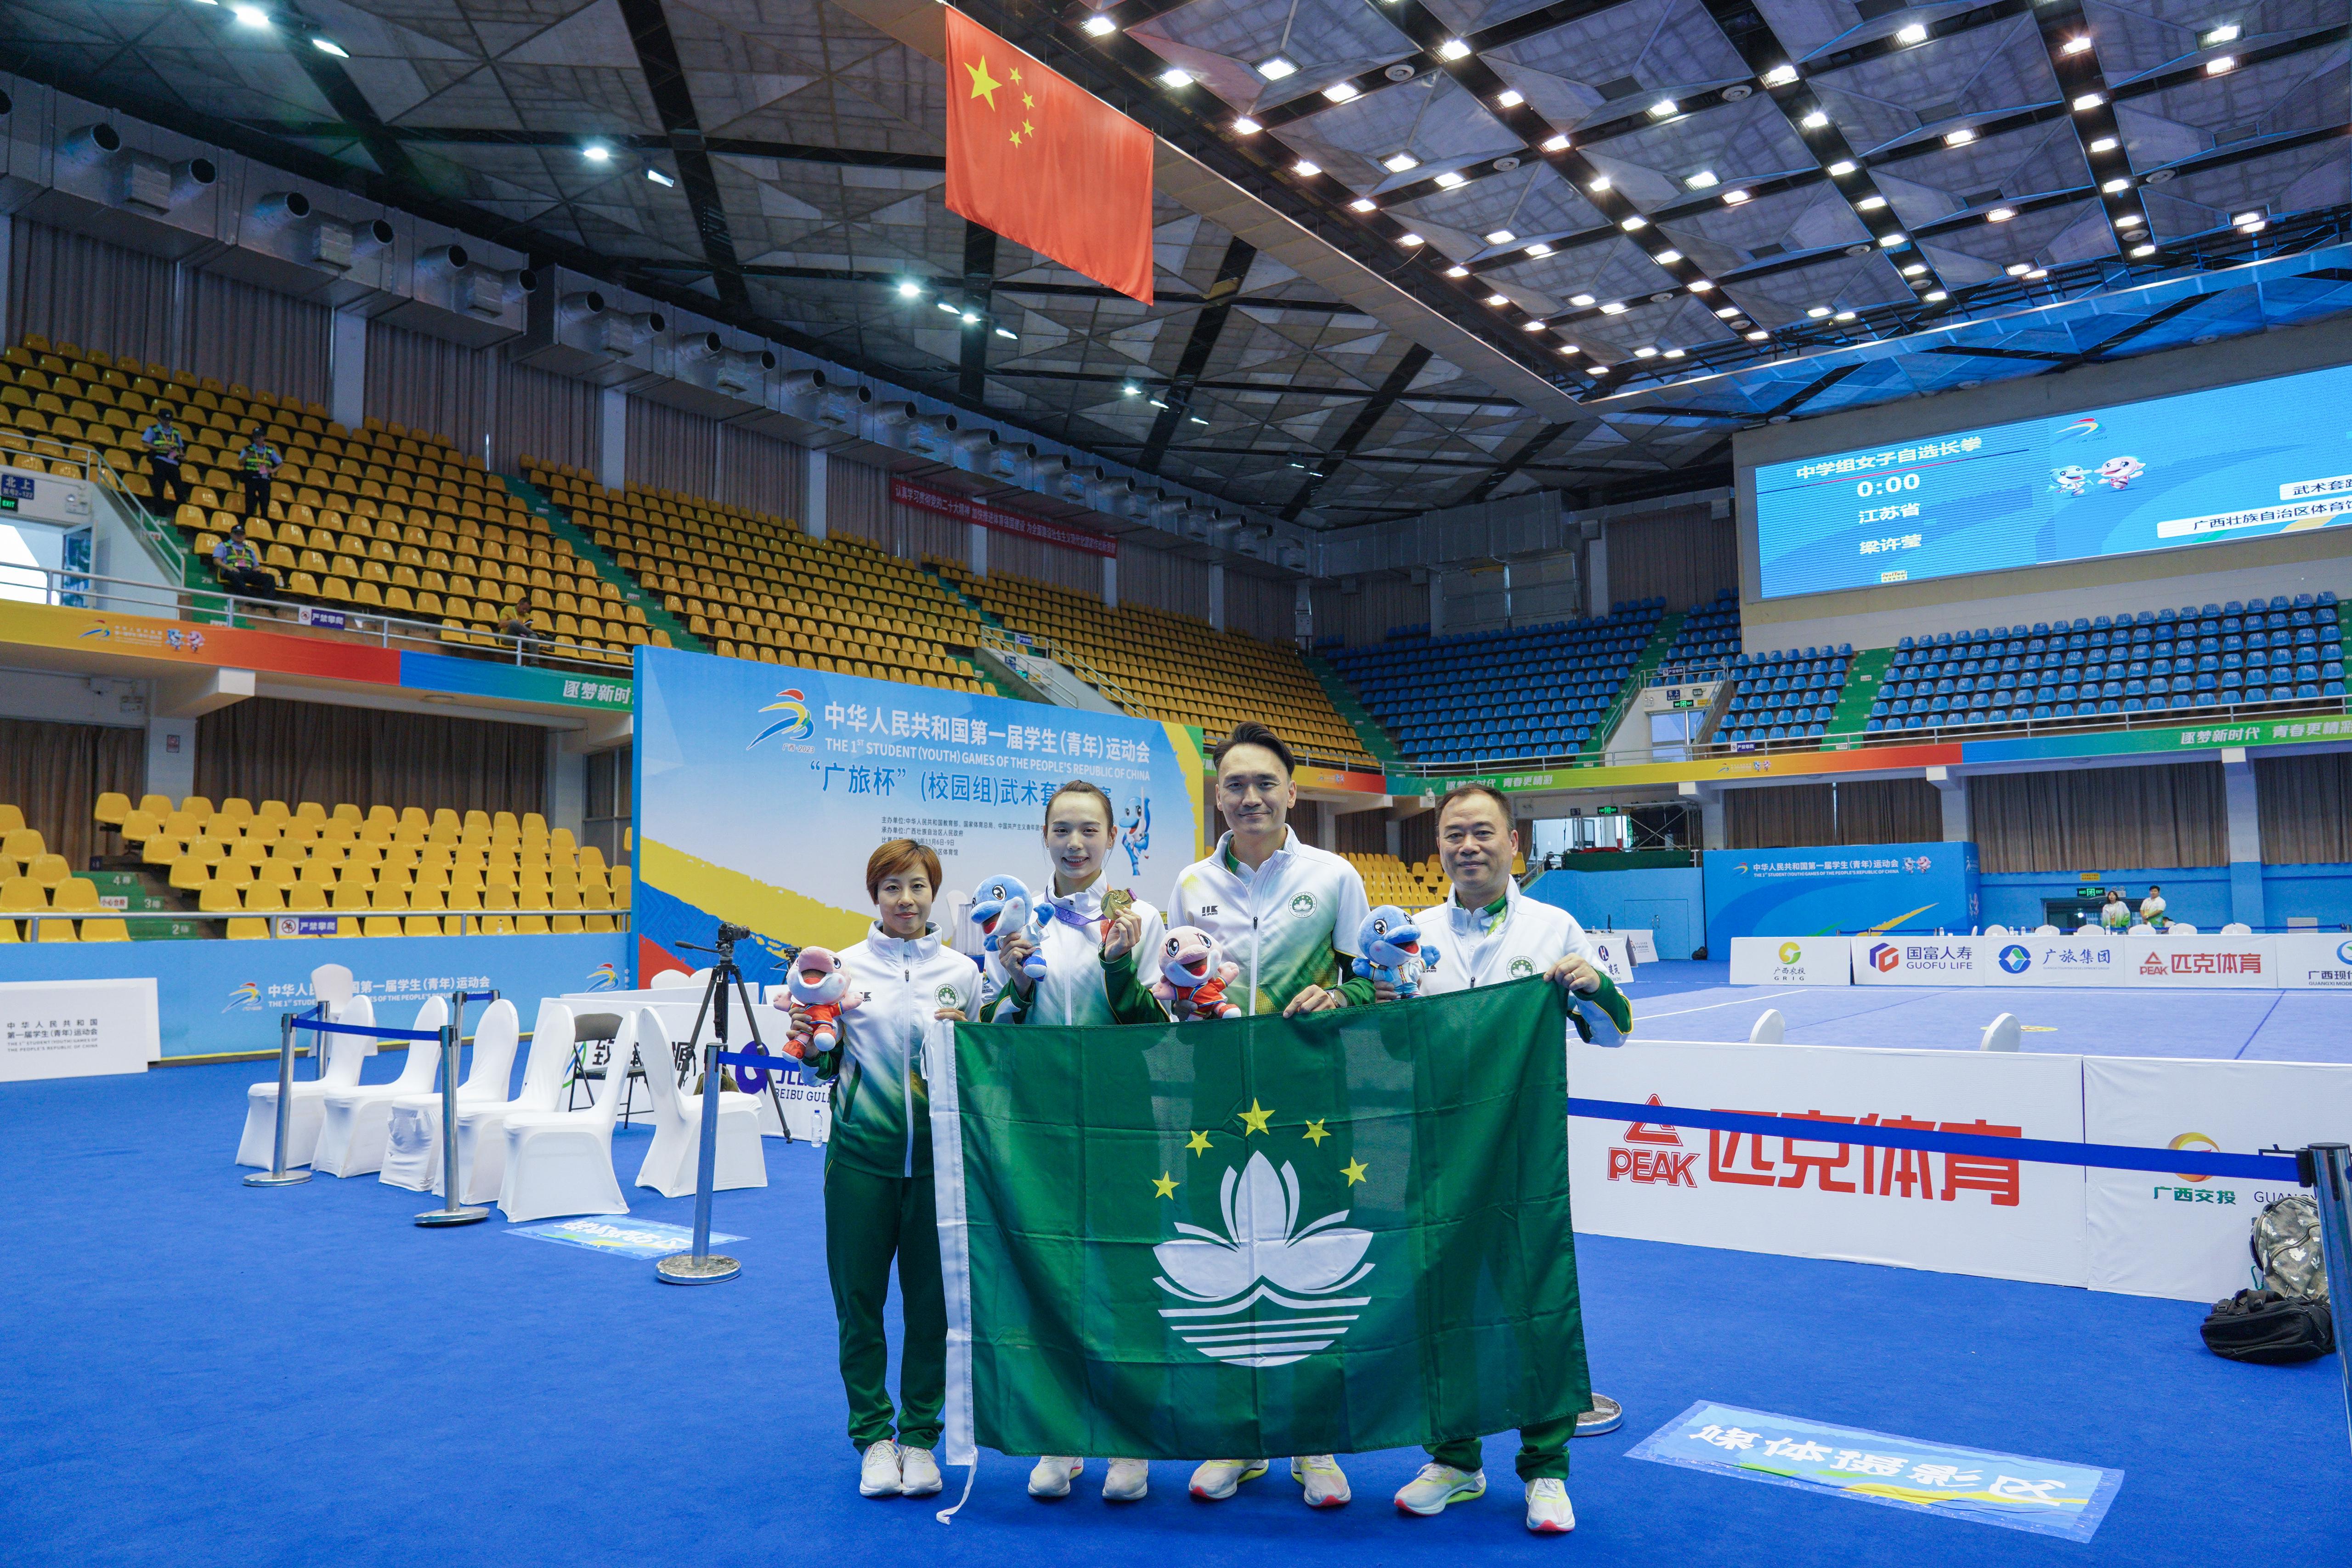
column 2244, row 218
column 1959, row 138
column 1175, row 76
column 1409, row 240
column 1667, row 257
column 1453, row 49
column 2141, row 250
column 2000, row 214
column 2034, row 272
column 2129, row 219
column 1531, row 327
column 971, row 317
column 1498, row 300
column 1196, row 419
column 1599, row 185
column 1399, row 163
column 1157, row 404
column 1758, row 335
column 948, row 307
column 1130, row 390
column 1734, row 197
column 1581, row 301
column 251, row 15
column 1007, row 332
column 1728, row 312
column 1645, row 352
column 1340, row 91
column 1539, row 249
column 2257, row 226
column 1598, row 369
column 1306, row 168
column 1818, row 311
column 2115, row 186
column 330, row 48
column 2219, row 64
column 1702, row 286
column 658, row 178
column 1843, row 167
column 2017, row 268
column 1098, row 26
column 1457, row 271
column 910, row 289
column 1557, row 144
column 1364, row 205
column 1275, row 69
column 2227, row 33
column 2075, row 44
column 1674, row 353
column 1569, row 349
column 1615, row 308
column 1244, row 126
column 1780, row 76
column 1508, row 99
column 1814, row 120
column 1915, row 269
column 1664, row 106
column 1892, row 242
column 1935, row 296
column 1701, row 181
column 1843, row 316
column 596, row 152
column 2089, row 100
column 2104, row 145
column 1870, row 204
column 1450, row 180
column 1500, row 236
column 1636, row 222
column 1916, row 33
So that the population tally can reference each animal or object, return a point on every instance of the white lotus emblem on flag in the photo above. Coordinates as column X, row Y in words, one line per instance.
column 1261, row 1261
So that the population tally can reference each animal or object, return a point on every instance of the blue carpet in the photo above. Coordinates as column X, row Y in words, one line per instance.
column 199, row 1373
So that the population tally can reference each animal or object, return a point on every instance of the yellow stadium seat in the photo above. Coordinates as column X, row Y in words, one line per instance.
column 23, row 844
column 388, row 903
column 532, row 925
column 424, row 924
column 139, row 825
column 272, row 811
column 157, row 805
column 197, row 806
column 48, row 871
column 114, row 808
column 236, row 810
column 191, row 875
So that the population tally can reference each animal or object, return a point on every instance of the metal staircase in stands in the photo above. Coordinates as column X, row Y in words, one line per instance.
column 585, row 547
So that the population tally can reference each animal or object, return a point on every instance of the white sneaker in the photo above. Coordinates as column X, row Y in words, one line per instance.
column 877, row 1473
column 1548, row 1509
column 919, row 1471
column 1325, row 1482
column 1053, row 1475
column 1217, row 1479
column 1128, row 1480
column 1438, row 1485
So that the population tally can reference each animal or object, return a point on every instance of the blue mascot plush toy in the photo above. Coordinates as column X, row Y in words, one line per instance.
column 1393, row 950
column 1005, row 906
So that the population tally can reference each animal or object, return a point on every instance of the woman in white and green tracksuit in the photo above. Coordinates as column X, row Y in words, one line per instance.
column 1098, row 971
column 877, row 1171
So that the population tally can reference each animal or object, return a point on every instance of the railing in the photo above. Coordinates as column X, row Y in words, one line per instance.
column 31, row 918
column 81, row 590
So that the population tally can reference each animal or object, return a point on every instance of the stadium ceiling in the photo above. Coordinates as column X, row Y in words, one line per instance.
column 1655, row 221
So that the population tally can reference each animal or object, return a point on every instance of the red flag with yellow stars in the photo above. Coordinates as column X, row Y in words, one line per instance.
column 1045, row 164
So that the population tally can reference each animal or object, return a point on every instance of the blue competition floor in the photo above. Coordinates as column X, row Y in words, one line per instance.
column 198, row 1373
column 1688, row 1000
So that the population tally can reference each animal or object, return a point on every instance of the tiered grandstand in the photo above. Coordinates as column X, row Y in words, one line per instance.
column 1785, row 694
column 1410, row 887
column 753, row 586
column 1163, row 665
column 1707, row 638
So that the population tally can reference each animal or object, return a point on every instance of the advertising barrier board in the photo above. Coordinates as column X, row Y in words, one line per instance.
column 1791, row 961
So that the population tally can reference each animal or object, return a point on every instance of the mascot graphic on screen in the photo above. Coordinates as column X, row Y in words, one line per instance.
column 1135, row 833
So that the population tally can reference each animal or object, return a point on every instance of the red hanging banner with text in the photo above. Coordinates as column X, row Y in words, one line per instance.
column 1045, row 164
column 964, row 509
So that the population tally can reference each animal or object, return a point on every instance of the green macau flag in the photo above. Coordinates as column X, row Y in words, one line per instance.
column 1328, row 1234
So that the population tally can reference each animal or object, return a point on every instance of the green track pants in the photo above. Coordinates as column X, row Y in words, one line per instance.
column 1543, row 1451
column 869, row 1219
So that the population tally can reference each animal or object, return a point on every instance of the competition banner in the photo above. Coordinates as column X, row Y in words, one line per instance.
column 1790, row 961
column 2201, row 962
column 1842, row 888
column 761, row 790
column 76, row 1029
column 1990, row 961
column 2311, row 962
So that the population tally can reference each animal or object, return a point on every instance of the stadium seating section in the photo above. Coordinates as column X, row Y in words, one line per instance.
column 381, row 520
column 1784, row 694
column 1172, row 667
column 753, row 586
column 1539, row 690
column 1708, row 638
column 1411, row 888
column 2271, row 650
column 381, row 873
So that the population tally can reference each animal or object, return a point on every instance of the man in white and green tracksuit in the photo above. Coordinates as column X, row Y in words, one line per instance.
column 1287, row 913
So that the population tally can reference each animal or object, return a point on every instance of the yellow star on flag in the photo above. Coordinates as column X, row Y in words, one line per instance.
column 1028, row 129
column 1197, row 1143
column 1165, row 1185
column 983, row 84
column 1017, row 73
column 1016, row 139
column 1026, row 102
column 1354, row 1171
column 1315, row 1133
column 1254, row 1119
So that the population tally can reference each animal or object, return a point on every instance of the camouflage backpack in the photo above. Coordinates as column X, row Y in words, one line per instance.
column 2286, row 1244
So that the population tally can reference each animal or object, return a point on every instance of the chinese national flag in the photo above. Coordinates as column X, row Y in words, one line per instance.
column 1044, row 163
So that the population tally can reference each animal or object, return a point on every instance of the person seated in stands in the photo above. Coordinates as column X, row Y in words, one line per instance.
column 238, row 563
column 166, row 444
column 2151, row 908
column 517, row 625
column 257, row 463
column 2114, row 914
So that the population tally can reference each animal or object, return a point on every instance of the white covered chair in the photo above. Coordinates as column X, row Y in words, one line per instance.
column 481, row 1125
column 2181, row 928
column 358, row 1118
column 560, row 1161
column 344, row 1055
column 2237, row 928
column 669, row 1165
column 413, row 1154
column 669, row 979
column 1996, row 930
column 2045, row 930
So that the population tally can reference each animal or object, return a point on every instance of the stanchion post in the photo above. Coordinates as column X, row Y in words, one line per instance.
column 2326, row 1168
column 698, row 1267
column 451, row 1211
column 278, row 1175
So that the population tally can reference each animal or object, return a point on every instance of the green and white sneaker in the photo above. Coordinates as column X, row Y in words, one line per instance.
column 1325, row 1482
column 1439, row 1486
column 1128, row 1480
column 1548, row 1509
column 918, row 1472
column 1217, row 1479
column 879, row 1474
column 1053, row 1475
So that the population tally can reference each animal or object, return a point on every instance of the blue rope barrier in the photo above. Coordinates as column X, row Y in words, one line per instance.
column 465, row 996
column 368, row 1029
column 2045, row 1151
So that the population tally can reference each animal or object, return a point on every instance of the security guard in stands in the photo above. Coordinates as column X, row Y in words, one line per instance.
column 239, row 565
column 166, row 446
column 257, row 463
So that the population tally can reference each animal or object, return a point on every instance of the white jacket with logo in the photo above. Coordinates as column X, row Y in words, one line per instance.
column 1529, row 937
column 881, row 1104
column 1286, row 924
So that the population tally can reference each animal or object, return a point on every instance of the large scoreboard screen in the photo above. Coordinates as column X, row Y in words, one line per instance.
column 2231, row 463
